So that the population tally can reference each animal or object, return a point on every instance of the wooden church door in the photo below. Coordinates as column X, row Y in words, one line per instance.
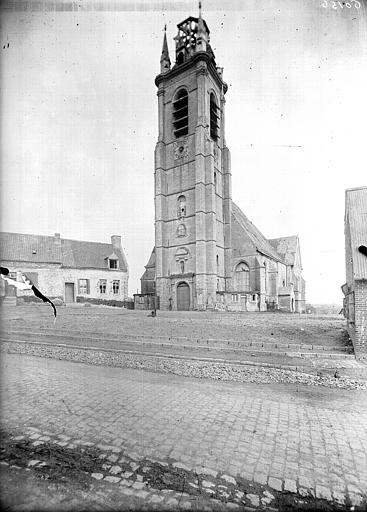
column 183, row 297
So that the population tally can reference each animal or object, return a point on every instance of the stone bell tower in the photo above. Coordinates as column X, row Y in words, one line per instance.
column 192, row 174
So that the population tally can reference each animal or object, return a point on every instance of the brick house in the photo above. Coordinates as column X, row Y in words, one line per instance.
column 355, row 288
column 72, row 270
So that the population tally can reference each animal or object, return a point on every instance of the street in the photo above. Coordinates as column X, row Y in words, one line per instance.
column 306, row 440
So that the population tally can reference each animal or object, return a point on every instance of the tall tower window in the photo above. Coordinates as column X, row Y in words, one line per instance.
column 242, row 277
column 181, row 113
column 181, row 207
column 214, row 118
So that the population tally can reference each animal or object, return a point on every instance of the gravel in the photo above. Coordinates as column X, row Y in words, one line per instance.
column 197, row 369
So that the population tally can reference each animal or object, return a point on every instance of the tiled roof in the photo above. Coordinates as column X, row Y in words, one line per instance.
column 356, row 221
column 30, row 248
column 51, row 249
column 77, row 254
column 287, row 247
column 257, row 238
column 151, row 262
column 149, row 273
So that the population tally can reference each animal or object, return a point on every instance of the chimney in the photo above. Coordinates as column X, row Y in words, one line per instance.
column 116, row 242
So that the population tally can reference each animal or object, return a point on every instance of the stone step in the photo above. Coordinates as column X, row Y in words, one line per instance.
column 229, row 352
column 184, row 342
column 9, row 301
column 323, row 367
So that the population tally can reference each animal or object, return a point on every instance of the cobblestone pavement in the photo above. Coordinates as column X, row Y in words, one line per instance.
column 295, row 438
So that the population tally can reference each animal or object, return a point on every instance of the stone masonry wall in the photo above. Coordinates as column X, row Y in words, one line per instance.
column 51, row 280
column 94, row 275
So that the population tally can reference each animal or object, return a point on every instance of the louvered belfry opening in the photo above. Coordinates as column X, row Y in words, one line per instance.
column 214, row 118
column 181, row 114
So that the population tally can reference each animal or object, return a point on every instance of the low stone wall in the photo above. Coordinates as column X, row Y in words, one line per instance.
column 255, row 372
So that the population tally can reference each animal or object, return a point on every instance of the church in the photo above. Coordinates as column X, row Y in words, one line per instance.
column 207, row 255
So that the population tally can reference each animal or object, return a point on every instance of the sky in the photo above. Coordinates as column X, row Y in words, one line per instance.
column 80, row 122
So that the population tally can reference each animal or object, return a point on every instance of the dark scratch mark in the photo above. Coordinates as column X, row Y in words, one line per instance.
column 67, row 407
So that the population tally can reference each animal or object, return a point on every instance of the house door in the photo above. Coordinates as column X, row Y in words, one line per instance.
column 183, row 297
column 69, row 292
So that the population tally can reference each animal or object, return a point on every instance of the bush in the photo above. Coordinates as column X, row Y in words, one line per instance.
column 100, row 302
column 31, row 299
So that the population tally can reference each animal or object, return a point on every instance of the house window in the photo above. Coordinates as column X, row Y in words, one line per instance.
column 116, row 286
column 83, row 286
column 13, row 275
column 242, row 277
column 181, row 114
column 102, row 284
column 214, row 118
column 234, row 297
column 113, row 263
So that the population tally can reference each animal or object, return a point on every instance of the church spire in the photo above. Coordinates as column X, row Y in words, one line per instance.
column 165, row 60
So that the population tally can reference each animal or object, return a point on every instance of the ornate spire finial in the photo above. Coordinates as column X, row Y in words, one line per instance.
column 202, row 36
column 165, row 60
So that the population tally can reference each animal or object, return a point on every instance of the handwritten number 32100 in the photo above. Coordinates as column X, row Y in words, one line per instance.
column 335, row 5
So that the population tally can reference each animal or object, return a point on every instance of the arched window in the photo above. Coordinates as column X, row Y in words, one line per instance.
column 181, row 257
column 181, row 207
column 181, row 113
column 242, row 277
column 214, row 117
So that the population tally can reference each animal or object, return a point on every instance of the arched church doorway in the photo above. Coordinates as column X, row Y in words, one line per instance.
column 183, row 297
